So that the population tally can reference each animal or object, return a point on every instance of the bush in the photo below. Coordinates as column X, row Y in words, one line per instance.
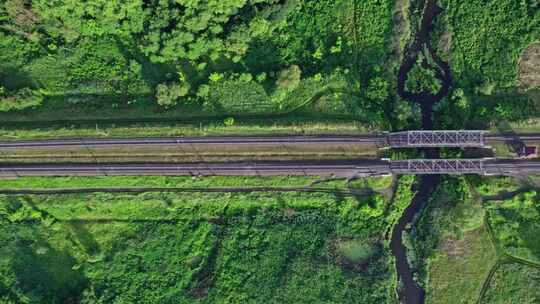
column 422, row 78
column 289, row 78
column 237, row 96
column 167, row 95
column 356, row 251
column 22, row 99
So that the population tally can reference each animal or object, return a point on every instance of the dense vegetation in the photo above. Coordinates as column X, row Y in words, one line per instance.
column 464, row 249
column 483, row 41
column 514, row 283
column 422, row 77
column 487, row 40
column 197, row 247
column 516, row 225
column 191, row 57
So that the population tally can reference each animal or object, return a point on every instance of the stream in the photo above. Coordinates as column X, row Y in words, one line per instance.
column 410, row 292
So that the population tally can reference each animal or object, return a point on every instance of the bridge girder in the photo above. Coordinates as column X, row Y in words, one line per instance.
column 438, row 166
column 438, row 138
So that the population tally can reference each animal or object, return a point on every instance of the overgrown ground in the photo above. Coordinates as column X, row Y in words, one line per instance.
column 474, row 232
column 483, row 42
column 196, row 247
column 203, row 128
column 514, row 283
column 375, row 183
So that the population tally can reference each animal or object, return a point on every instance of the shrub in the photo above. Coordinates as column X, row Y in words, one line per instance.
column 167, row 95
column 289, row 78
column 356, row 251
column 22, row 99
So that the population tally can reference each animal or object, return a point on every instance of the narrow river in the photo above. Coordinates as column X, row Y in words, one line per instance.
column 410, row 291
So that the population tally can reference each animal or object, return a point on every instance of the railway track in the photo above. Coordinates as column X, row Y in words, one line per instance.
column 338, row 168
column 379, row 139
column 222, row 140
column 342, row 168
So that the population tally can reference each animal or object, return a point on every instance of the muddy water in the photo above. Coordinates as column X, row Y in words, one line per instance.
column 410, row 292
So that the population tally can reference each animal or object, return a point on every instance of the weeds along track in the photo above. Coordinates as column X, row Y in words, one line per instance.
column 139, row 190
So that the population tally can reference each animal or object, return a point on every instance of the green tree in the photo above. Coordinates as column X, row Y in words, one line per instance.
column 167, row 95
column 289, row 78
column 20, row 100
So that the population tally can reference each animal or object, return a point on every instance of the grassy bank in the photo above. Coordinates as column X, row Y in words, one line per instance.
column 203, row 128
column 458, row 270
column 470, row 225
column 516, row 227
column 376, row 183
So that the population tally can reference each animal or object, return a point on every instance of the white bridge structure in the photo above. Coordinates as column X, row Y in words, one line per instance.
column 442, row 138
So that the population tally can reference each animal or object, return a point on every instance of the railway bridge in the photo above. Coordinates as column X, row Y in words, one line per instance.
column 440, row 138
column 482, row 166
column 438, row 166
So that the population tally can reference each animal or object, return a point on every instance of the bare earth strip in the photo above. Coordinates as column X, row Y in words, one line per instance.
column 529, row 67
column 194, row 152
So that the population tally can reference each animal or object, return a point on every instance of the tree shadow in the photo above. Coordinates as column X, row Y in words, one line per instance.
column 514, row 141
column 36, row 269
column 262, row 56
column 83, row 237
column 152, row 73
column 13, row 78
column 505, row 195
column 48, row 275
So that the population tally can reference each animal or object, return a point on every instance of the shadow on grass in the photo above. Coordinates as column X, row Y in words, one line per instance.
column 505, row 195
column 515, row 143
column 48, row 276
column 39, row 271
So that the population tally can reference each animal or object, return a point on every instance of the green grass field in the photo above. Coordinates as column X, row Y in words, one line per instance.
column 457, row 272
column 453, row 248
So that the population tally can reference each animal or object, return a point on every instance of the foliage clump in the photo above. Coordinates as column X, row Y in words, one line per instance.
column 423, row 78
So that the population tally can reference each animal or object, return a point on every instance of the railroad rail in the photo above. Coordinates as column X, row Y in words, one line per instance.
column 406, row 139
column 338, row 168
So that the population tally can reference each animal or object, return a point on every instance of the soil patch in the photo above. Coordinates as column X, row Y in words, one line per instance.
column 529, row 67
column 458, row 248
column 445, row 44
column 401, row 27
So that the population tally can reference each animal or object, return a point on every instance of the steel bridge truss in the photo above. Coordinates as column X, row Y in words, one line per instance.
column 443, row 138
column 438, row 166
